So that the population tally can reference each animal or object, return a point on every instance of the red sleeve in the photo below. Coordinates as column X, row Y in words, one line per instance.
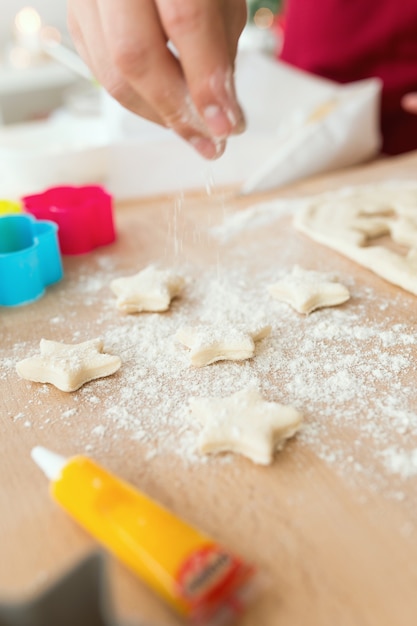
column 346, row 40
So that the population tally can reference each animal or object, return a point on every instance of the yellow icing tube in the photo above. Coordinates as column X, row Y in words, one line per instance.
column 201, row 580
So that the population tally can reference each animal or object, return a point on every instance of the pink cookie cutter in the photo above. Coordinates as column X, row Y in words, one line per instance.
column 84, row 216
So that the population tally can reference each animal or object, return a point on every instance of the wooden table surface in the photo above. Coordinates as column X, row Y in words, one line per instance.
column 338, row 546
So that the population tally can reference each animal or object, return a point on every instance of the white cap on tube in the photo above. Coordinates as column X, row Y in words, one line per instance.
column 49, row 462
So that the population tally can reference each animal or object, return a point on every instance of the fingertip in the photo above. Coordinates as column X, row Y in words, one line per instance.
column 222, row 87
column 240, row 125
column 217, row 120
column 210, row 149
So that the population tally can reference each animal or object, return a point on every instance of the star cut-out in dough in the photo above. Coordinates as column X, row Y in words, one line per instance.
column 308, row 290
column 220, row 343
column 244, row 423
column 149, row 290
column 68, row 366
column 351, row 221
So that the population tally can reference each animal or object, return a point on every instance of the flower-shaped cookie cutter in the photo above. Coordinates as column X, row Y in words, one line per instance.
column 9, row 206
column 84, row 215
column 30, row 259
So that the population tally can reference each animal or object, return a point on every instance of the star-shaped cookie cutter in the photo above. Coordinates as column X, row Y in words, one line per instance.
column 84, row 216
column 29, row 258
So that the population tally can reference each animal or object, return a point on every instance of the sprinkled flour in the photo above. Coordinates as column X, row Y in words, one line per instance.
column 400, row 462
column 347, row 372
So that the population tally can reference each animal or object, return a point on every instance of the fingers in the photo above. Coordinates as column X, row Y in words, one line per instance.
column 91, row 44
column 235, row 18
column 125, row 45
column 200, row 33
column 137, row 45
column 409, row 102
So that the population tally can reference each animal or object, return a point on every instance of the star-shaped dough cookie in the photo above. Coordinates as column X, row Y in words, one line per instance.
column 149, row 290
column 307, row 290
column 246, row 424
column 220, row 343
column 68, row 366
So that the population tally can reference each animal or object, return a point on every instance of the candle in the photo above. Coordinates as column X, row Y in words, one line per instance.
column 27, row 28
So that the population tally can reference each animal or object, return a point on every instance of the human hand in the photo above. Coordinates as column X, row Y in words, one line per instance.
column 124, row 42
column 409, row 102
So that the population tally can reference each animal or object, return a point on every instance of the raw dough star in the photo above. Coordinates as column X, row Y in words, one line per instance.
column 307, row 290
column 220, row 343
column 246, row 424
column 68, row 366
column 149, row 290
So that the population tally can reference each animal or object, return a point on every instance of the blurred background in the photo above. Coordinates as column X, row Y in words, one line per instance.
column 33, row 83
column 57, row 126
column 51, row 12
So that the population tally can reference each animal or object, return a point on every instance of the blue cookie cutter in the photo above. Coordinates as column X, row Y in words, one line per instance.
column 30, row 259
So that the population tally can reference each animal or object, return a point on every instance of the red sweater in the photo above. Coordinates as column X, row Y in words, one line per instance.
column 346, row 40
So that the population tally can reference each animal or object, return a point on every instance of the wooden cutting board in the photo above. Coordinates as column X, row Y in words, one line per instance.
column 331, row 528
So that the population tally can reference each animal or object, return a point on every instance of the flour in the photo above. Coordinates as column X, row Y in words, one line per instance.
column 400, row 462
column 99, row 431
column 331, row 366
column 252, row 218
column 266, row 213
column 347, row 373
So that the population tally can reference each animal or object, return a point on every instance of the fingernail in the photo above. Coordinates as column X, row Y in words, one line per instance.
column 208, row 148
column 222, row 86
column 217, row 121
column 240, row 125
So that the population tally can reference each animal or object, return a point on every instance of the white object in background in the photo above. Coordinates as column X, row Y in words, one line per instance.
column 340, row 134
column 27, row 28
column 51, row 13
column 66, row 57
column 31, row 92
column 257, row 39
column 65, row 150
column 47, row 75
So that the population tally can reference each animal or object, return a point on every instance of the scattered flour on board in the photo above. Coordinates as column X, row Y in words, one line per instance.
column 346, row 372
column 398, row 461
column 253, row 217
column 330, row 365
column 265, row 213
